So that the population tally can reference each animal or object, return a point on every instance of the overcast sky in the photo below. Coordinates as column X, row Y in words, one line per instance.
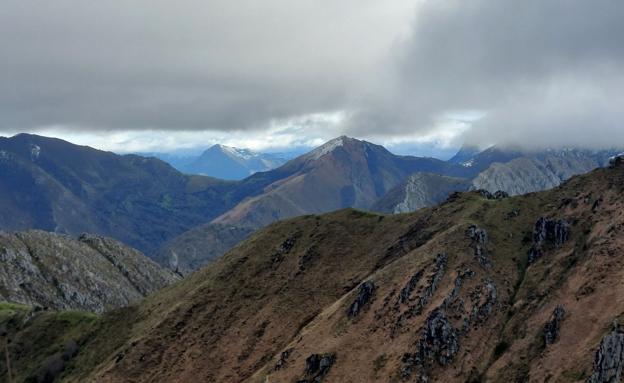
column 159, row 75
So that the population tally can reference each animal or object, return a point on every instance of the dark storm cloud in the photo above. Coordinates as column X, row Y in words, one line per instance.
column 541, row 72
column 189, row 64
column 545, row 72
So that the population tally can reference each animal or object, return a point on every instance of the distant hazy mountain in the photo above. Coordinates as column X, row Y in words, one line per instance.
column 224, row 162
column 229, row 163
column 464, row 155
column 90, row 273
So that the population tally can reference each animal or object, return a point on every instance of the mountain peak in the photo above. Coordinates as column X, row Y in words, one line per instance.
column 332, row 145
column 231, row 163
column 231, row 150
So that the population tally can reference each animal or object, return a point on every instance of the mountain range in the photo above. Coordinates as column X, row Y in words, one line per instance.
column 186, row 221
column 511, row 171
column 523, row 289
column 224, row 162
column 53, row 185
column 342, row 173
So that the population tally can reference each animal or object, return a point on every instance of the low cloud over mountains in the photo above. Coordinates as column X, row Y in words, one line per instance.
column 545, row 73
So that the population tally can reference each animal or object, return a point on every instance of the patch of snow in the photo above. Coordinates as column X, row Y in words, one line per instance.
column 327, row 147
column 468, row 164
column 245, row 154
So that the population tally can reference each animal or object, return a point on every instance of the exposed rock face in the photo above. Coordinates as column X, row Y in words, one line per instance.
column 439, row 339
column 616, row 161
column 407, row 290
column 484, row 300
column 548, row 232
column 497, row 195
column 479, row 238
column 317, row 366
column 551, row 328
column 459, row 280
column 609, row 359
column 283, row 359
column 418, row 191
column 417, row 304
column 91, row 273
column 365, row 293
column 439, row 342
column 496, row 172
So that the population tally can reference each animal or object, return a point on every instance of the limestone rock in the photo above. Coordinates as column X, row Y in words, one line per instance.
column 91, row 273
column 548, row 232
column 365, row 293
column 609, row 359
column 551, row 328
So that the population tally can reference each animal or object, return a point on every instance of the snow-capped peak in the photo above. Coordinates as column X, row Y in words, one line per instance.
column 327, row 147
column 241, row 153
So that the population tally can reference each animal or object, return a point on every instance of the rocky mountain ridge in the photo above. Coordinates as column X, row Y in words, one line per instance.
column 90, row 273
column 512, row 171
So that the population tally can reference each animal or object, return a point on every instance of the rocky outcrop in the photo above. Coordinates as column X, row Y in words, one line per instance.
column 484, row 299
column 365, row 293
column 457, row 285
column 617, row 160
column 283, row 359
column 418, row 303
column 438, row 344
column 548, row 232
column 90, row 273
column 497, row 195
column 418, row 191
column 317, row 366
column 408, row 289
column 479, row 239
column 609, row 359
column 551, row 328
